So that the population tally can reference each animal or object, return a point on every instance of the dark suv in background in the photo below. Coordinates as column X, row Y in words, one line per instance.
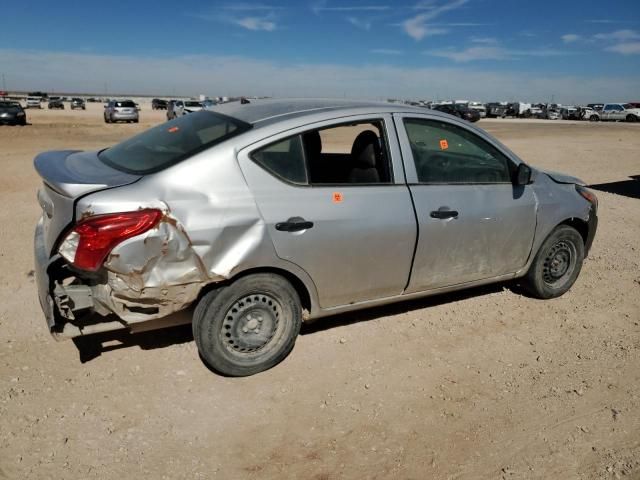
column 158, row 104
column 459, row 110
column 56, row 103
column 78, row 103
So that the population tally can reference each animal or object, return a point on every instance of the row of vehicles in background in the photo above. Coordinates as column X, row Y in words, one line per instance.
column 474, row 111
column 55, row 103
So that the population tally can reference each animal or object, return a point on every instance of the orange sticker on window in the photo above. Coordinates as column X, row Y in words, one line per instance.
column 444, row 144
column 173, row 129
column 337, row 197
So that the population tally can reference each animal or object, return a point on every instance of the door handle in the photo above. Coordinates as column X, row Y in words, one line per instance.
column 444, row 214
column 294, row 224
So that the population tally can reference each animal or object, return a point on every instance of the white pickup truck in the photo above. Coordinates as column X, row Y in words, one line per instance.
column 617, row 111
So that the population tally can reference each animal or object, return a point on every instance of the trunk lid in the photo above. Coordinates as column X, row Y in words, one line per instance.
column 68, row 175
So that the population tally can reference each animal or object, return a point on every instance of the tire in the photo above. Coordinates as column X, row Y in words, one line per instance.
column 557, row 264
column 632, row 118
column 594, row 118
column 228, row 324
column 106, row 120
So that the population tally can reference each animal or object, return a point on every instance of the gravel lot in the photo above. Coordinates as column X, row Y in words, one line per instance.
column 480, row 384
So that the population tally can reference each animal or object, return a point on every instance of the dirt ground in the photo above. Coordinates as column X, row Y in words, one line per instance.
column 481, row 384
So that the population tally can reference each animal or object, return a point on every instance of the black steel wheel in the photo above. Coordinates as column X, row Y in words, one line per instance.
column 248, row 326
column 557, row 264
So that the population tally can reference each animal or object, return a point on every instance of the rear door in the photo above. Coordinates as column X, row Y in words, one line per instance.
column 345, row 219
column 474, row 224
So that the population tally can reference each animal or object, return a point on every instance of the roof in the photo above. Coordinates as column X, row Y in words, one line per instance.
column 268, row 110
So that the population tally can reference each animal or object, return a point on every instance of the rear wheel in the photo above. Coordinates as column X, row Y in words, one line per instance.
column 557, row 264
column 632, row 118
column 248, row 326
column 594, row 118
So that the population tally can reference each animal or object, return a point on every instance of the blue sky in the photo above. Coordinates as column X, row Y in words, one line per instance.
column 573, row 50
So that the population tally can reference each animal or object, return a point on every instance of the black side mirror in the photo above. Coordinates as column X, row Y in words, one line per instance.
column 523, row 174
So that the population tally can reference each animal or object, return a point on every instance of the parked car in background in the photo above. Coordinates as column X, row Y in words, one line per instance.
column 170, row 105
column 596, row 106
column 183, row 107
column 55, row 103
column 158, row 104
column 77, row 103
column 458, row 110
column 496, row 110
column 618, row 112
column 121, row 111
column 33, row 102
column 478, row 107
column 250, row 213
column 554, row 114
column 569, row 112
column 587, row 113
column 12, row 113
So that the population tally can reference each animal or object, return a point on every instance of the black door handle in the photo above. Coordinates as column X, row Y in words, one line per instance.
column 444, row 214
column 294, row 224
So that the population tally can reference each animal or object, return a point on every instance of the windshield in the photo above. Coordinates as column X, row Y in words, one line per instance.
column 10, row 105
column 172, row 142
column 192, row 104
column 627, row 106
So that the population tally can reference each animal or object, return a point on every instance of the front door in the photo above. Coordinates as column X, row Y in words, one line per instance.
column 474, row 224
column 336, row 204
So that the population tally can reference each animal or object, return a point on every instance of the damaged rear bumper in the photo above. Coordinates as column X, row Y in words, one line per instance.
column 124, row 295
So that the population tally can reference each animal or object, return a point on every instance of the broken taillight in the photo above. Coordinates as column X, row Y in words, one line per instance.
column 93, row 238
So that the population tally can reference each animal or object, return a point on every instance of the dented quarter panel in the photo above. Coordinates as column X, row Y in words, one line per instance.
column 211, row 231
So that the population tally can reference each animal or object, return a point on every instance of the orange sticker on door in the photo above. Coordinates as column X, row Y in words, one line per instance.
column 337, row 197
column 444, row 144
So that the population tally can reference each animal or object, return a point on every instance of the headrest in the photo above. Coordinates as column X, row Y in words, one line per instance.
column 366, row 150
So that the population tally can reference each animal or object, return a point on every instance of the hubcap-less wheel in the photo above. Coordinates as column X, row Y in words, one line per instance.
column 248, row 326
column 559, row 264
column 251, row 324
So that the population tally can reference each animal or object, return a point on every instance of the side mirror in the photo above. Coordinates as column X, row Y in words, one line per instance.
column 523, row 174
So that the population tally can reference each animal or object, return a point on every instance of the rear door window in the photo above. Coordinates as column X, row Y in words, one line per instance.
column 345, row 154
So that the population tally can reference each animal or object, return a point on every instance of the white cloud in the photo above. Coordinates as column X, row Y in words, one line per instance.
column 223, row 75
column 256, row 23
column 387, row 51
column 490, row 53
column 321, row 6
column 618, row 35
column 484, row 40
column 359, row 23
column 417, row 27
column 570, row 38
column 625, row 48
column 250, row 7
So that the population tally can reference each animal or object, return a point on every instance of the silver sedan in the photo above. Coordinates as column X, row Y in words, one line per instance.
column 261, row 216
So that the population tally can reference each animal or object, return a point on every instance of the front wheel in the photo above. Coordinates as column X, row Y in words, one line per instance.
column 594, row 118
column 557, row 264
column 632, row 118
column 248, row 326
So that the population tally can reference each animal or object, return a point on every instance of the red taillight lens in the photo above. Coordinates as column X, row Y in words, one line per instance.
column 587, row 195
column 94, row 237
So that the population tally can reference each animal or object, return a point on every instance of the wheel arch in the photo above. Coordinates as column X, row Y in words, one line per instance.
column 579, row 224
column 304, row 291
